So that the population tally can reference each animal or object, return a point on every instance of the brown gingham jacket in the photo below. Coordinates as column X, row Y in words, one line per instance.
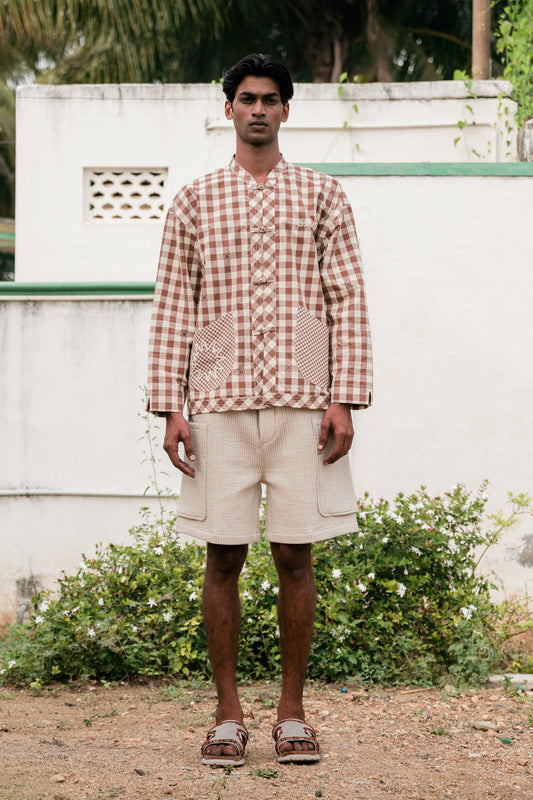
column 259, row 297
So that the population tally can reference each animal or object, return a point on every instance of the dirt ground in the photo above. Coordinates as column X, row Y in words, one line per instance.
column 142, row 743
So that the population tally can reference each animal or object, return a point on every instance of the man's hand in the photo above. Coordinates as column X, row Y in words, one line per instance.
column 338, row 420
column 177, row 431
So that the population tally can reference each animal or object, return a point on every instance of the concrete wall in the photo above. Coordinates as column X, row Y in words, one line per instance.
column 448, row 268
column 64, row 133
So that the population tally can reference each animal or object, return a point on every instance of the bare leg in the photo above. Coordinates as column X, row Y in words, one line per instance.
column 222, row 621
column 296, row 614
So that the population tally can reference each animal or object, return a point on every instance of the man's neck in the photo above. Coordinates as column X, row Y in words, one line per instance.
column 258, row 161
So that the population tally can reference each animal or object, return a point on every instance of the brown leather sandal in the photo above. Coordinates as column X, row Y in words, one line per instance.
column 295, row 730
column 228, row 732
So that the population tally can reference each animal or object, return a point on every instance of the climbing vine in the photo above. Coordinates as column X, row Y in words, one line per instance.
column 514, row 41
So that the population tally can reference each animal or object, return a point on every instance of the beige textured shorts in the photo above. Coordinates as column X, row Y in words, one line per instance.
column 238, row 452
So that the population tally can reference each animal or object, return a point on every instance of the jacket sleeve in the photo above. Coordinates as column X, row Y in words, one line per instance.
column 176, row 296
column 350, row 347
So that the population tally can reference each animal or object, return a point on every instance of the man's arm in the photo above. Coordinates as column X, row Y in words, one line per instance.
column 178, row 430
column 178, row 284
column 350, row 345
column 337, row 419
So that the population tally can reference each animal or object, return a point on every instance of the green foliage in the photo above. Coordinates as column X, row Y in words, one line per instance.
column 130, row 610
column 399, row 601
column 514, row 41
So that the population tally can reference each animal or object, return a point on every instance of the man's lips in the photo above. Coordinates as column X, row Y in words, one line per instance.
column 258, row 124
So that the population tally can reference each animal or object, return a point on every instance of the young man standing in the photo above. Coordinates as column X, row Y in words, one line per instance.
column 260, row 325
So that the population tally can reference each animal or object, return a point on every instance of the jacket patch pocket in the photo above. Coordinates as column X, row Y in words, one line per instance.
column 212, row 354
column 312, row 348
column 192, row 503
column 336, row 494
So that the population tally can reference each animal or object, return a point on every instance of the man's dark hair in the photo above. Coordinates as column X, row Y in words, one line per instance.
column 263, row 67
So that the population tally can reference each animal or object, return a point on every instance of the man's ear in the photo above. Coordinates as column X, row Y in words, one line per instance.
column 285, row 114
column 228, row 110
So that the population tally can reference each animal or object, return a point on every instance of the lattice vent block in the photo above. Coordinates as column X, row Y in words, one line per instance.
column 125, row 195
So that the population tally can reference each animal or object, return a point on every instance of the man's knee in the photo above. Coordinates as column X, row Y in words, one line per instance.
column 292, row 559
column 225, row 561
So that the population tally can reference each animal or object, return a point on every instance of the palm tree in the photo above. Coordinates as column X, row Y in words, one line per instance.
column 182, row 40
column 125, row 41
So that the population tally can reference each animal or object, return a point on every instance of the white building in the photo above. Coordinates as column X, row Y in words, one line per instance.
column 445, row 240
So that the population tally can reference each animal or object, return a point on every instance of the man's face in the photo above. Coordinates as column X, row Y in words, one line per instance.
column 257, row 111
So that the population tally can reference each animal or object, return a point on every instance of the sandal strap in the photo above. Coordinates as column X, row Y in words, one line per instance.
column 227, row 732
column 294, row 730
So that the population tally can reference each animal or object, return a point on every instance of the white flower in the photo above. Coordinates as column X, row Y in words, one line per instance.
column 275, row 589
column 370, row 576
column 336, row 573
column 38, row 619
column 378, row 518
column 123, row 579
column 401, row 590
column 167, row 616
column 467, row 612
column 348, row 588
column 277, row 631
column 134, row 628
column 45, row 605
column 2, row 671
column 246, row 594
column 193, row 596
column 385, row 539
column 265, row 585
column 416, row 551
column 101, row 601
column 11, row 664
column 158, row 551
column 91, row 632
column 152, row 602
column 66, row 613
column 361, row 587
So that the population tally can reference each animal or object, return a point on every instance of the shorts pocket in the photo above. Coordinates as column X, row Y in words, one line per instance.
column 312, row 348
column 336, row 494
column 192, row 503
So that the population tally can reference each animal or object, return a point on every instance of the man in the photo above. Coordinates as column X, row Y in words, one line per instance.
column 260, row 325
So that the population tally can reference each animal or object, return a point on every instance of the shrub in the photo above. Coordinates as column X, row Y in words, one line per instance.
column 399, row 601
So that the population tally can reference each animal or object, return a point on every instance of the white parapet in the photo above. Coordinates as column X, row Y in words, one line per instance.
column 97, row 164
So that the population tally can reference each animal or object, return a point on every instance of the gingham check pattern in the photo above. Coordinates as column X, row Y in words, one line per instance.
column 259, row 296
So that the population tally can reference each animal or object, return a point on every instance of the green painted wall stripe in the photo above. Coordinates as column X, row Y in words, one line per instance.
column 412, row 169
column 49, row 289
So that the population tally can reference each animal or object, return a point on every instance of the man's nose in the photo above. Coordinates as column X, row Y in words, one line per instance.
column 258, row 107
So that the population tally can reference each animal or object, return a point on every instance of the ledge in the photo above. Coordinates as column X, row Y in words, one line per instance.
column 460, row 169
column 16, row 290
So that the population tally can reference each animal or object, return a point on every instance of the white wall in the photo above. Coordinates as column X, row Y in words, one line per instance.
column 448, row 268
column 62, row 130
